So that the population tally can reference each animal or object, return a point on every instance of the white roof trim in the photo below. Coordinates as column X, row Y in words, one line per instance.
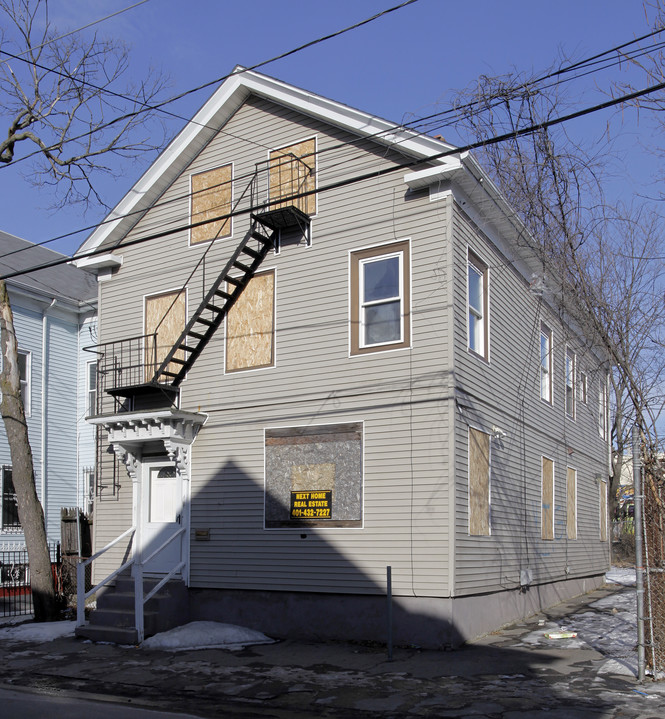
column 98, row 262
column 217, row 111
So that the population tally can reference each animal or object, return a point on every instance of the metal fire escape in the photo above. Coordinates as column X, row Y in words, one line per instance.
column 131, row 371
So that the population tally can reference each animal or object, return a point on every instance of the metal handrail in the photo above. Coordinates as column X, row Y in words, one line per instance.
column 140, row 600
column 81, row 594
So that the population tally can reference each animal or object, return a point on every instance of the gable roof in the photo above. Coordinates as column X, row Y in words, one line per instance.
column 212, row 117
column 63, row 282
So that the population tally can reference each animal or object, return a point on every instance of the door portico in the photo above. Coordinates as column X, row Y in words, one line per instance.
column 155, row 447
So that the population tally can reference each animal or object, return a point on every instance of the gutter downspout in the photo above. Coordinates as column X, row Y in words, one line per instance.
column 43, row 465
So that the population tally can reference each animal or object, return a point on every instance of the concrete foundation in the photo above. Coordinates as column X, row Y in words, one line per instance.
column 433, row 622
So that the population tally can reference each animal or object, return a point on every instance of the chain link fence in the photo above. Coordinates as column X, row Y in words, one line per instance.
column 654, row 571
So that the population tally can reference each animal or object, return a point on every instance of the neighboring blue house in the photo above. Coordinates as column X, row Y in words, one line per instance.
column 55, row 316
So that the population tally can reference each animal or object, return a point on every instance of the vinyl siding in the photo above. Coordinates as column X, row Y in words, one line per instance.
column 61, row 419
column 402, row 397
column 505, row 393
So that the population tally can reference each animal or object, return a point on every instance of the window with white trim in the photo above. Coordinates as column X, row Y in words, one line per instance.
column 477, row 305
column 571, row 389
column 584, row 387
column 24, row 371
column 380, row 298
column 603, row 419
column 10, row 520
column 545, row 363
column 91, row 388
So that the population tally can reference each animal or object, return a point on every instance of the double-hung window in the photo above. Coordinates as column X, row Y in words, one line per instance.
column 91, row 388
column 545, row 363
column 24, row 371
column 380, row 298
column 10, row 518
column 570, row 383
column 477, row 299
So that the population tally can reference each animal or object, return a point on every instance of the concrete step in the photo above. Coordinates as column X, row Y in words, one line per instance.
column 114, row 635
column 115, row 610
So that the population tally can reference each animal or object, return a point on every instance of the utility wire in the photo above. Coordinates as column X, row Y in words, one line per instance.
column 364, row 177
column 417, row 122
column 159, row 106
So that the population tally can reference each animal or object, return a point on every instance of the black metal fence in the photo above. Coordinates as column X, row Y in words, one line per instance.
column 15, row 593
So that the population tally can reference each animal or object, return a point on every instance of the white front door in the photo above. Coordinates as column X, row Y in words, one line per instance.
column 162, row 516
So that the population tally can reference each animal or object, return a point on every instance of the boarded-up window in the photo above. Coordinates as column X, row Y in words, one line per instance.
column 602, row 488
column 292, row 172
column 165, row 317
column 250, row 326
column 571, row 503
column 547, row 504
column 212, row 195
column 313, row 476
column 479, row 482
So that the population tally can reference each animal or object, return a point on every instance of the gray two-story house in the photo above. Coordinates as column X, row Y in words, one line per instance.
column 329, row 355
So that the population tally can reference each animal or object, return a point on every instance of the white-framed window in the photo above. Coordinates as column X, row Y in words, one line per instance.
column 477, row 305
column 584, row 388
column 380, row 298
column 571, row 388
column 545, row 363
column 91, row 387
column 25, row 371
column 603, row 419
column 10, row 520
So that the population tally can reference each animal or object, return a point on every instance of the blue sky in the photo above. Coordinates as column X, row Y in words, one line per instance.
column 400, row 66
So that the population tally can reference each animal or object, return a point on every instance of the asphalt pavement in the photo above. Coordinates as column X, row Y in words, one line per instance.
column 499, row 676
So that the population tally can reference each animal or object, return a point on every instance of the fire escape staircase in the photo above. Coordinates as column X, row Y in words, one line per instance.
column 215, row 306
column 263, row 235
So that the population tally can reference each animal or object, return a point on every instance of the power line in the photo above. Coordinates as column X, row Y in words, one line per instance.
column 408, row 126
column 366, row 176
column 159, row 106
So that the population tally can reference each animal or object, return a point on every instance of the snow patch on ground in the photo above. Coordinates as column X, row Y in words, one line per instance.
column 206, row 635
column 37, row 631
column 621, row 575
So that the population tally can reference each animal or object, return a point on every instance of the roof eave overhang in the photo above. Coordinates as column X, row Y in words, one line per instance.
column 214, row 115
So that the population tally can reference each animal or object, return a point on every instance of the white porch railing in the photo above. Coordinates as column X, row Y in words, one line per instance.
column 139, row 599
column 137, row 571
column 81, row 594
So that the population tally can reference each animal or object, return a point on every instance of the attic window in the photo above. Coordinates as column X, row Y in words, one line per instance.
column 211, row 197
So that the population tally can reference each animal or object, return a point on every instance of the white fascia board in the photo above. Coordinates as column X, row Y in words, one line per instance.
column 348, row 118
column 216, row 112
column 168, row 164
column 98, row 262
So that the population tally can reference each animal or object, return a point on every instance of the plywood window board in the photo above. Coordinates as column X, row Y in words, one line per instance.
column 314, row 476
column 547, row 504
column 250, row 326
column 212, row 196
column 571, row 503
column 165, row 316
column 602, row 488
column 479, row 482
column 292, row 172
